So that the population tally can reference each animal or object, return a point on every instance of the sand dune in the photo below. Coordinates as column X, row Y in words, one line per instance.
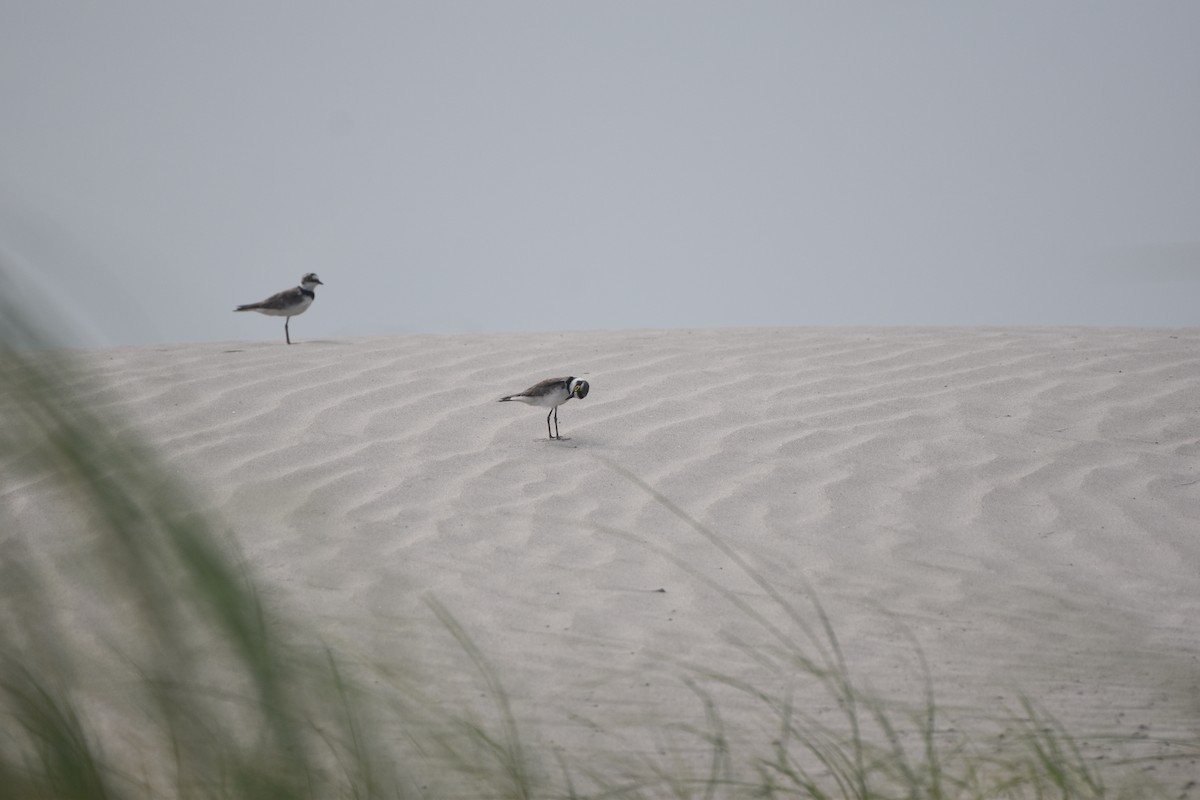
column 1023, row 504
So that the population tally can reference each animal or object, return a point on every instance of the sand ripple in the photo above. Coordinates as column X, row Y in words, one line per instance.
column 1023, row 503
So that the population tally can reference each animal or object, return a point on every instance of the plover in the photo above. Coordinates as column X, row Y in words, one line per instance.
column 551, row 393
column 288, row 303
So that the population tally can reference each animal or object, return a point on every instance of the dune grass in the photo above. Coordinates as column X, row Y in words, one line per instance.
column 158, row 669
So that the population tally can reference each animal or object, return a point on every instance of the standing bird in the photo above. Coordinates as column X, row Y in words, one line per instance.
column 288, row 303
column 551, row 393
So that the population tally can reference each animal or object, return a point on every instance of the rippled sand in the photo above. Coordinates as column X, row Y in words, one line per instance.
column 1022, row 505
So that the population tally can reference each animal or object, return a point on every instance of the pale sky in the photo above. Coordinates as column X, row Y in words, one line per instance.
column 487, row 166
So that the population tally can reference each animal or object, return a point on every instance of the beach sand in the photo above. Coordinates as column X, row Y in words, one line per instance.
column 1021, row 506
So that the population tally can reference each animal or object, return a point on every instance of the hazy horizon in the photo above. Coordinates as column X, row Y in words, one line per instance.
column 528, row 166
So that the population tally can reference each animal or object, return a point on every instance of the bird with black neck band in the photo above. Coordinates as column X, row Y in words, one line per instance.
column 288, row 303
column 551, row 393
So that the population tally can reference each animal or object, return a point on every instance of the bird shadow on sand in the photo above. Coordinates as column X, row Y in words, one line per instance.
column 566, row 441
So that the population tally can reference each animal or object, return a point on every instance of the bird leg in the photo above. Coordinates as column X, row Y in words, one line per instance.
column 286, row 334
column 548, row 413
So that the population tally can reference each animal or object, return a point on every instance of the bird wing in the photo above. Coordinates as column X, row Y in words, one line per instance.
column 543, row 387
column 278, row 300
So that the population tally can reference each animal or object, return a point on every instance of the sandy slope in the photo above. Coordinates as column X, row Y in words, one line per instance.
column 1024, row 504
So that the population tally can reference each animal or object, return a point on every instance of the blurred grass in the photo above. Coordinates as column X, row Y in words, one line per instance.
column 156, row 668
column 213, row 701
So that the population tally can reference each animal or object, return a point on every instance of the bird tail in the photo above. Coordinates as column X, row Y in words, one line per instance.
column 247, row 307
column 504, row 399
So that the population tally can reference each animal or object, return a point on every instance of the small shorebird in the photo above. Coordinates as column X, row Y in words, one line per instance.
column 288, row 303
column 551, row 393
